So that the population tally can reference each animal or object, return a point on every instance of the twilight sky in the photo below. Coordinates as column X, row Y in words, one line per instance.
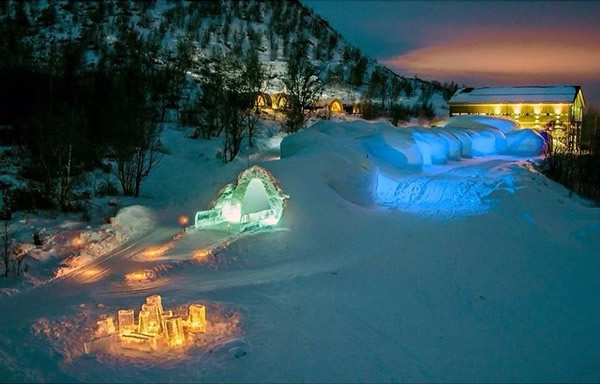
column 478, row 43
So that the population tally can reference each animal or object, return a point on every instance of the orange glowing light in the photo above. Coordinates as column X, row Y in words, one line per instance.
column 139, row 276
column 155, row 251
column 91, row 272
column 154, row 330
column 201, row 254
column 77, row 241
column 183, row 220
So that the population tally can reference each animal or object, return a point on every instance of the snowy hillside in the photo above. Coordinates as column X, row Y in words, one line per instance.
column 271, row 27
column 349, row 251
column 478, row 269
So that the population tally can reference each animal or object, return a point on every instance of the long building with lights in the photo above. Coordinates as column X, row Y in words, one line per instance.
column 558, row 109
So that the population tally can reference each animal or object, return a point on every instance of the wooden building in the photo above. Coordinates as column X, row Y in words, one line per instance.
column 558, row 109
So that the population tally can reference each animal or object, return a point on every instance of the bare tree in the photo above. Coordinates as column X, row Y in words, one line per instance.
column 255, row 77
column 135, row 163
column 304, row 87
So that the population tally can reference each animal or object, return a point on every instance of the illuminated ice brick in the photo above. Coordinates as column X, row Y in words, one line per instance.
column 144, row 321
column 175, row 336
column 156, row 300
column 105, row 327
column 139, row 341
column 163, row 319
column 154, row 320
column 196, row 318
column 126, row 321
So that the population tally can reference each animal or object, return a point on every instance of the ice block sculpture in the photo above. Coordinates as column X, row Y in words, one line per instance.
column 154, row 320
column 196, row 318
column 154, row 329
column 105, row 327
column 156, row 300
column 126, row 321
column 139, row 341
column 175, row 336
column 163, row 320
column 144, row 322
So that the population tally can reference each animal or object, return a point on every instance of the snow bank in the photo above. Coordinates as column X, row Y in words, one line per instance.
column 475, row 121
column 454, row 144
column 398, row 149
column 525, row 142
column 433, row 148
column 483, row 142
column 386, row 145
column 134, row 220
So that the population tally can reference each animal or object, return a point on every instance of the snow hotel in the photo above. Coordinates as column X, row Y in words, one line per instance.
column 556, row 108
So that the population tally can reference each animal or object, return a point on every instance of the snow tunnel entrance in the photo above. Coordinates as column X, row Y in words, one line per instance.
column 255, row 200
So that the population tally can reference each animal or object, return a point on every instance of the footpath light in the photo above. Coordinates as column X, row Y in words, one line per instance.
column 183, row 221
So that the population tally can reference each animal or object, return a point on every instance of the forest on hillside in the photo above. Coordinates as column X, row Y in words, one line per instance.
column 87, row 85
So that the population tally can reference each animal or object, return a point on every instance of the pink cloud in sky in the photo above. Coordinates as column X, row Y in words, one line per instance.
column 551, row 55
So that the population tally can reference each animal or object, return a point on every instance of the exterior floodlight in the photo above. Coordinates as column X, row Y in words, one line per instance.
column 253, row 201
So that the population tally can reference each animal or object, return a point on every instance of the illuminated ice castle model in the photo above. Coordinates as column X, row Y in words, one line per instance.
column 156, row 328
column 253, row 201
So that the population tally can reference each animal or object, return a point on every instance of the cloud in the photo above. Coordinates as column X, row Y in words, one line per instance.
column 518, row 53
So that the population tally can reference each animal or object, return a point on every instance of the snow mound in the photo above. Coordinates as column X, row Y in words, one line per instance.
column 474, row 121
column 134, row 220
column 398, row 149
column 389, row 146
column 525, row 142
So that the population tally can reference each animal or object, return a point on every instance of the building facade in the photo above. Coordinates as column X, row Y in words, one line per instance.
column 558, row 109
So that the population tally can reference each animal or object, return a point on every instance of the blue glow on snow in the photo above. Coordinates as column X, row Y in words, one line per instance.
column 456, row 193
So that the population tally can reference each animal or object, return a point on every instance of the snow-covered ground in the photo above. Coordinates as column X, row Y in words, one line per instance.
column 396, row 259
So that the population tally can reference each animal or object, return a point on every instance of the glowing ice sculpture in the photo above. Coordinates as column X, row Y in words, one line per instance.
column 254, row 200
column 126, row 321
column 197, row 318
column 155, row 328
column 174, row 331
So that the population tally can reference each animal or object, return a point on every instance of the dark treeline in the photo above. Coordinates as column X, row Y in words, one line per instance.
column 67, row 115
column 385, row 92
column 579, row 169
column 67, row 118
column 225, row 104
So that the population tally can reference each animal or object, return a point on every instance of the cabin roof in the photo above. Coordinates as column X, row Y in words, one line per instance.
column 536, row 94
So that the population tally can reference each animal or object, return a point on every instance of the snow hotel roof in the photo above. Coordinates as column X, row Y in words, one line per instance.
column 537, row 94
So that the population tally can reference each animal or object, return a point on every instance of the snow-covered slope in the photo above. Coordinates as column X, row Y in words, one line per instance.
column 347, row 288
column 224, row 26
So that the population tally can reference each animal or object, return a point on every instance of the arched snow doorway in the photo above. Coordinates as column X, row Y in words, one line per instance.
column 336, row 106
column 280, row 101
column 263, row 100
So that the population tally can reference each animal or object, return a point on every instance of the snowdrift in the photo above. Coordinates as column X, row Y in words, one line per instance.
column 473, row 121
column 134, row 220
column 458, row 137
column 363, row 161
column 525, row 142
